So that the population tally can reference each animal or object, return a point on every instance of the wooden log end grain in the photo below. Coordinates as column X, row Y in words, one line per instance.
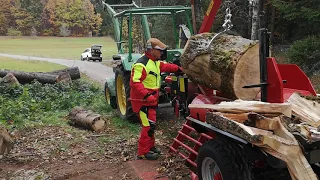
column 231, row 63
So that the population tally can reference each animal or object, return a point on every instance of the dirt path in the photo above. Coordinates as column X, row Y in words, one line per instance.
column 94, row 70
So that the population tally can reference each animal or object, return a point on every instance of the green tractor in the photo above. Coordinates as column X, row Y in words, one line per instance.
column 117, row 89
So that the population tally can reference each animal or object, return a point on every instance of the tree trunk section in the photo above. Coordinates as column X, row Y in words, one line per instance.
column 74, row 72
column 6, row 141
column 86, row 119
column 64, row 75
column 255, row 20
column 9, row 79
column 232, row 63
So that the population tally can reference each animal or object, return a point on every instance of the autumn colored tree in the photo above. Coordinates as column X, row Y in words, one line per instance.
column 6, row 17
column 77, row 14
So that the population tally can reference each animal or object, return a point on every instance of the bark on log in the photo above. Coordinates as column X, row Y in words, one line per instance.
column 27, row 77
column 232, row 63
column 280, row 143
column 9, row 79
column 74, row 72
column 87, row 119
column 6, row 141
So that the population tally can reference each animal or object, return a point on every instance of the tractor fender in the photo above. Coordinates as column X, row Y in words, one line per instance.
column 110, row 83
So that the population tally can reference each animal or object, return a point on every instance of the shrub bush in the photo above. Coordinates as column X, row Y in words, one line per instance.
column 306, row 54
column 36, row 102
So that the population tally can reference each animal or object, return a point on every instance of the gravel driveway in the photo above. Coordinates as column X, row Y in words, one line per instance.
column 94, row 70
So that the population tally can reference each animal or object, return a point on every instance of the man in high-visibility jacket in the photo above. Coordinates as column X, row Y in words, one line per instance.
column 145, row 83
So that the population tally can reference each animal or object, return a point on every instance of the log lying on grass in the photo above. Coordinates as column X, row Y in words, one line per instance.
column 74, row 72
column 6, row 141
column 232, row 63
column 9, row 79
column 64, row 75
column 87, row 119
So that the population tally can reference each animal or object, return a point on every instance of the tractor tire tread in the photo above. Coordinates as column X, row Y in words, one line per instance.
column 131, row 116
column 230, row 157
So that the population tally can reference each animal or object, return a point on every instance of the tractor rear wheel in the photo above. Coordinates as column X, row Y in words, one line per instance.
column 122, row 95
column 111, row 100
column 221, row 158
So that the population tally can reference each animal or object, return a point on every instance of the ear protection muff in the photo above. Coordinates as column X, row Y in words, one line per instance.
column 163, row 54
column 149, row 46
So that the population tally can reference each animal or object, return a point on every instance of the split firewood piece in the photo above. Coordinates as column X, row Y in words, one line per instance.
column 307, row 110
column 6, row 141
column 240, row 106
column 9, row 79
column 279, row 143
column 252, row 119
column 231, row 63
column 87, row 119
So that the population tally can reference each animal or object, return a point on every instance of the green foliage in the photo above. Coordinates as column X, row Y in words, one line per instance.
column 299, row 18
column 36, row 103
column 306, row 54
column 14, row 32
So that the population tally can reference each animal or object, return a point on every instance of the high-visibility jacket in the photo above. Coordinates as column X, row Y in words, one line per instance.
column 146, row 79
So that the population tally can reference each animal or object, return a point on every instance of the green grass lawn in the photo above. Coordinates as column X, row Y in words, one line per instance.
column 28, row 65
column 56, row 47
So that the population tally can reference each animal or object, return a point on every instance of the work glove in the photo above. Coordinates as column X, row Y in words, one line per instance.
column 179, row 71
column 151, row 99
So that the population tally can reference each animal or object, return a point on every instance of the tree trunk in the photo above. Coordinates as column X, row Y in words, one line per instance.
column 64, row 75
column 198, row 14
column 27, row 77
column 9, row 79
column 232, row 63
column 255, row 20
column 273, row 20
column 74, row 72
column 6, row 141
column 86, row 119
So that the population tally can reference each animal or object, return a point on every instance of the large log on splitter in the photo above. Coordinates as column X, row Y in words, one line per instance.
column 231, row 63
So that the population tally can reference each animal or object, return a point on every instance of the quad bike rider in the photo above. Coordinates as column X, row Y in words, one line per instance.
column 144, row 93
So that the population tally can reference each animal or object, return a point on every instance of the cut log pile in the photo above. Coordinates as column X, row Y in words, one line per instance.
column 64, row 75
column 231, row 63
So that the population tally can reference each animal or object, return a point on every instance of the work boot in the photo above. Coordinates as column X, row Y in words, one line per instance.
column 149, row 156
column 155, row 150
